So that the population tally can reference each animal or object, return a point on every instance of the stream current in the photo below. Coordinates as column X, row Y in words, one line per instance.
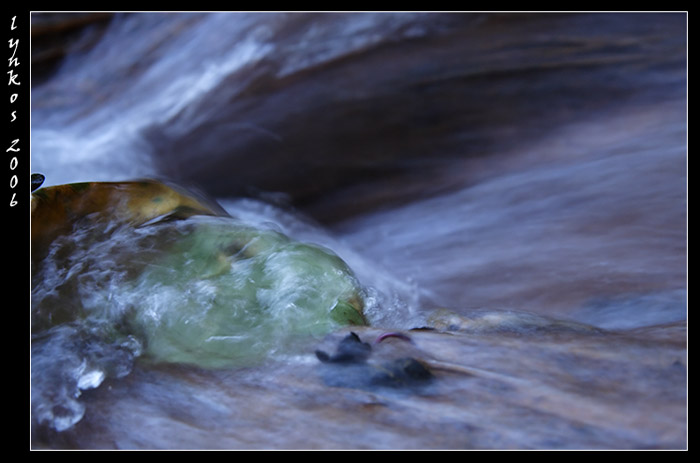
column 505, row 163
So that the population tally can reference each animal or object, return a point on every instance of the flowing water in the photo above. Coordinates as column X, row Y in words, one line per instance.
column 525, row 172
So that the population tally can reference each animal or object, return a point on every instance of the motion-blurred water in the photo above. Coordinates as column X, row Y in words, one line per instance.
column 532, row 163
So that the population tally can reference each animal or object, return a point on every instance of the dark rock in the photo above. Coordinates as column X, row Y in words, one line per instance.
column 37, row 180
column 350, row 366
column 350, row 350
column 401, row 373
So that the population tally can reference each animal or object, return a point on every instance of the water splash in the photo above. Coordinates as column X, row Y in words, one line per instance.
column 206, row 291
column 389, row 300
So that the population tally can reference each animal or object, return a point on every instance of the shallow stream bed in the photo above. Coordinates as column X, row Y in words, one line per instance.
column 509, row 190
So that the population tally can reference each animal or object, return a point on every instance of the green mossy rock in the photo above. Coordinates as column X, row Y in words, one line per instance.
column 140, row 260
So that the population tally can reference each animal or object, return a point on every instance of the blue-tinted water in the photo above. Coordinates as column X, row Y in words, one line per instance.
column 575, row 209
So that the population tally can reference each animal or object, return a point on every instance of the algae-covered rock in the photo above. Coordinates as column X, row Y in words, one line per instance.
column 142, row 260
column 227, row 294
column 56, row 210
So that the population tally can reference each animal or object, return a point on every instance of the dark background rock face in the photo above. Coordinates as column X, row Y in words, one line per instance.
column 55, row 35
column 397, row 119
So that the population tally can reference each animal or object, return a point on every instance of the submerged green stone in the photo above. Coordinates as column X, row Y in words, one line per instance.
column 189, row 287
column 230, row 294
